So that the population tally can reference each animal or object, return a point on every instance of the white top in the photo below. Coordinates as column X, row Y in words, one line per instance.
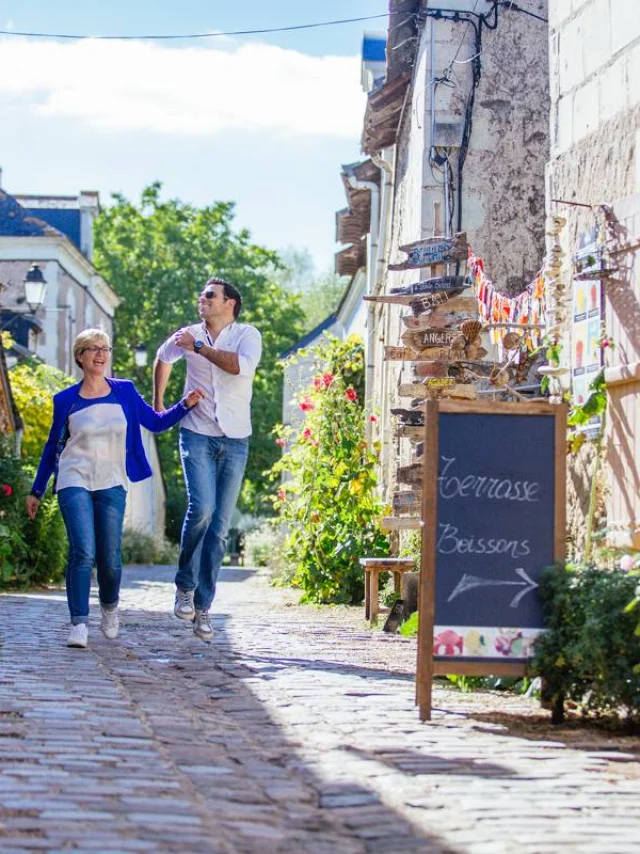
column 226, row 407
column 94, row 456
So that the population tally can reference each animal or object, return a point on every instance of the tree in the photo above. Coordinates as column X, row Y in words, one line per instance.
column 320, row 294
column 157, row 256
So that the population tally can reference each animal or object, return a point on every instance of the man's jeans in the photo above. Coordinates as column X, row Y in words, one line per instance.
column 94, row 529
column 213, row 471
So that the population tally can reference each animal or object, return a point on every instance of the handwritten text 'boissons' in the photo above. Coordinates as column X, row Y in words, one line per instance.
column 481, row 486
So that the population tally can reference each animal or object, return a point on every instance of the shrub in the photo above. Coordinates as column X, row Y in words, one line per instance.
column 261, row 543
column 33, row 385
column 31, row 553
column 138, row 547
column 590, row 649
column 328, row 499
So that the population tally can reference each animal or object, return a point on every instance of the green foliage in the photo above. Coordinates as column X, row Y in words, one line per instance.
column 33, row 385
column 409, row 628
column 157, row 256
column 138, row 547
column 319, row 294
column 328, row 500
column 262, row 544
column 31, row 553
column 590, row 649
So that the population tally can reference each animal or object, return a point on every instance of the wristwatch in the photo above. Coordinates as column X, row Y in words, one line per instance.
column 198, row 345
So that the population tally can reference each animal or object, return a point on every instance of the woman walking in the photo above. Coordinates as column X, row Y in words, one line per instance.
column 94, row 449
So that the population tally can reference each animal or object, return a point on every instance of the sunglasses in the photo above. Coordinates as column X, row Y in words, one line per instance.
column 211, row 294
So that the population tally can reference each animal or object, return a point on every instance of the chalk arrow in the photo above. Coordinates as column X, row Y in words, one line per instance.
column 468, row 582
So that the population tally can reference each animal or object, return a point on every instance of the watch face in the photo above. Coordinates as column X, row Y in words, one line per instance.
column 198, row 345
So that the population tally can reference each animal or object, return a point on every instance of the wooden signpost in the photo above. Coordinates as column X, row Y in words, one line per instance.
column 493, row 511
column 448, row 284
column 432, row 251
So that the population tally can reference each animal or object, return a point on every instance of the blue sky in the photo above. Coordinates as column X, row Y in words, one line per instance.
column 265, row 120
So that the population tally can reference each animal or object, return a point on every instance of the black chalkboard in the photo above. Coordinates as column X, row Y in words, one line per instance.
column 493, row 519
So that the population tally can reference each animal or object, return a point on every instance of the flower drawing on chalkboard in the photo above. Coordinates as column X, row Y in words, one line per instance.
column 510, row 642
column 474, row 643
column 448, row 643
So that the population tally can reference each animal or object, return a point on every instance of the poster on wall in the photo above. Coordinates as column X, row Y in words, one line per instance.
column 586, row 326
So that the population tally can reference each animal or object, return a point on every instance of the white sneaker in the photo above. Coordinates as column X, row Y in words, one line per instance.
column 183, row 609
column 110, row 623
column 202, row 626
column 78, row 636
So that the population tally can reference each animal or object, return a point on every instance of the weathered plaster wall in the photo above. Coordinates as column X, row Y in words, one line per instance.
column 595, row 159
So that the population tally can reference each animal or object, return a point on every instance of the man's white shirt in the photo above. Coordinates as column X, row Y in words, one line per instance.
column 226, row 407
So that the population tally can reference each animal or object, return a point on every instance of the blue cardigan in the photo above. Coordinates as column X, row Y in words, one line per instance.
column 137, row 412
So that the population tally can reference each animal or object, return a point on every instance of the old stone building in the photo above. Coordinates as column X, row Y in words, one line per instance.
column 593, row 181
column 458, row 131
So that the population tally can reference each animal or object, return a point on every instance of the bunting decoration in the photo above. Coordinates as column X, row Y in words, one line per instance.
column 526, row 310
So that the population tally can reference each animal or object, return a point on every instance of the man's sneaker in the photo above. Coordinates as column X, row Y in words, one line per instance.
column 202, row 625
column 110, row 623
column 183, row 609
column 78, row 636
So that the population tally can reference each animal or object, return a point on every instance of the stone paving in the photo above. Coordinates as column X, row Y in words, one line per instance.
column 294, row 732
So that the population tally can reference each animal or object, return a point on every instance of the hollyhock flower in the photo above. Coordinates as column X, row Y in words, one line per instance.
column 351, row 394
column 306, row 433
column 7, row 490
column 306, row 404
column 373, row 418
column 627, row 562
column 317, row 382
column 327, row 379
column 280, row 442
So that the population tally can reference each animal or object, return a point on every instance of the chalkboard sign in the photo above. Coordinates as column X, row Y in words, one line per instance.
column 494, row 518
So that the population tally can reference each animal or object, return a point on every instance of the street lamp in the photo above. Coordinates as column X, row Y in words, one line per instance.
column 35, row 288
column 140, row 356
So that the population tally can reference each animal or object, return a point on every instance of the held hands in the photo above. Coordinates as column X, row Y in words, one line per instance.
column 192, row 398
column 183, row 338
column 32, row 504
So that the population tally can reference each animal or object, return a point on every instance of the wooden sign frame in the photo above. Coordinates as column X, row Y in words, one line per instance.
column 427, row 668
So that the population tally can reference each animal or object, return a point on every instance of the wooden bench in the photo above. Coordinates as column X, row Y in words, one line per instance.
column 373, row 566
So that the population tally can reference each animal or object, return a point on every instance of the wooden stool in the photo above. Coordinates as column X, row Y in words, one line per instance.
column 373, row 566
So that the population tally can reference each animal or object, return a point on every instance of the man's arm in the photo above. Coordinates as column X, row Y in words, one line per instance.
column 161, row 374
column 223, row 359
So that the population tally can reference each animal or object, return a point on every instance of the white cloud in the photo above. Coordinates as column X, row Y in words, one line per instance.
column 188, row 91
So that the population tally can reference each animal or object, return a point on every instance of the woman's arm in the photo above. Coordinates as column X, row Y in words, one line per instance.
column 159, row 421
column 48, row 458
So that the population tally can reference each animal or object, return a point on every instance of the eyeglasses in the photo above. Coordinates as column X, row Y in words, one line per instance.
column 95, row 350
column 211, row 295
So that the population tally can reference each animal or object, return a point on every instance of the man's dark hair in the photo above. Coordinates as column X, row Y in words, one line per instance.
column 230, row 292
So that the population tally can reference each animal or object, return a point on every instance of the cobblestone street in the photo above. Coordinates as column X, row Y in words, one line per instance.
column 294, row 731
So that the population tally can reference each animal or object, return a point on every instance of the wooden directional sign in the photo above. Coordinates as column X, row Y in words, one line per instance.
column 433, row 250
column 407, row 432
column 403, row 354
column 426, row 303
column 406, row 502
column 409, row 417
column 419, row 338
column 410, row 475
column 492, row 523
column 432, row 286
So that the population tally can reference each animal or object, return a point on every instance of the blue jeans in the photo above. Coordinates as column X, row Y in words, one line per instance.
column 213, row 470
column 94, row 527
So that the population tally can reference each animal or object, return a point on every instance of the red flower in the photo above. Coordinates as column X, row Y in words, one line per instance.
column 8, row 490
column 351, row 394
column 306, row 433
column 281, row 442
column 327, row 379
column 373, row 418
column 306, row 405
column 317, row 382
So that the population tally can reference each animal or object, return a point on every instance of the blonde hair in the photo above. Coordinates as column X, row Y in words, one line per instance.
column 85, row 339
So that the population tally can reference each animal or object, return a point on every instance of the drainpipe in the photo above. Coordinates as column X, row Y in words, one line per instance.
column 372, row 258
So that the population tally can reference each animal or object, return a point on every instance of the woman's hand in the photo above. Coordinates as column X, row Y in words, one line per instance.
column 32, row 504
column 192, row 398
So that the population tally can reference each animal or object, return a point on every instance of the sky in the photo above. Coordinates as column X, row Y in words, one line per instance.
column 265, row 120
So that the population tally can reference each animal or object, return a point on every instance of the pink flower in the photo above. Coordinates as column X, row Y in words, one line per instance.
column 373, row 418
column 8, row 490
column 627, row 562
column 306, row 433
column 351, row 394
column 315, row 443
column 280, row 442
column 327, row 379
column 306, row 404
column 317, row 382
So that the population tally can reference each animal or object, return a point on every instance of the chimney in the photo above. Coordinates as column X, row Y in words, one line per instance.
column 89, row 202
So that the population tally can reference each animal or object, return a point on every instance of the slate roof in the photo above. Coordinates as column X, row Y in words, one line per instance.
column 15, row 221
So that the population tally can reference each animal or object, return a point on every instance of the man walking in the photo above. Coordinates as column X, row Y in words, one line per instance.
column 222, row 356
